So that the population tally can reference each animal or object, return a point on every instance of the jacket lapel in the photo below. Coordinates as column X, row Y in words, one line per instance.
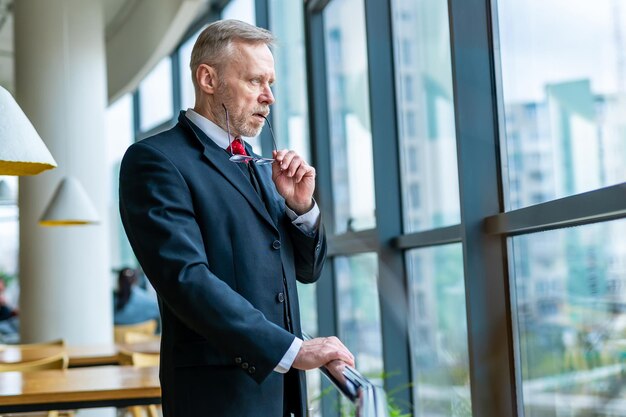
column 218, row 158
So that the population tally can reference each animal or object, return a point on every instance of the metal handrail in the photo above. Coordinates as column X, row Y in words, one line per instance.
column 370, row 400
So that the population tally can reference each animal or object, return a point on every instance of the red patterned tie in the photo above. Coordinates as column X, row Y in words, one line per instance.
column 236, row 147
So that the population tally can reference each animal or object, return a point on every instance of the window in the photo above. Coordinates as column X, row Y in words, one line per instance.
column 359, row 311
column 119, row 136
column 572, row 331
column 290, row 112
column 187, row 92
column 155, row 96
column 437, row 305
column 352, row 166
column 243, row 10
column 557, row 63
column 421, row 29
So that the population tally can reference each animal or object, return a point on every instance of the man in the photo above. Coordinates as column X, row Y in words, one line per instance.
column 224, row 242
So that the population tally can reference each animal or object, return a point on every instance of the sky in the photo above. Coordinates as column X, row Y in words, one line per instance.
column 543, row 41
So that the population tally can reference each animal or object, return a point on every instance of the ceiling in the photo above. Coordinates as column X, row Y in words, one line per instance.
column 115, row 12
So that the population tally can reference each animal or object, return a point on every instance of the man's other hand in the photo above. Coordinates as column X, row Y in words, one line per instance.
column 321, row 351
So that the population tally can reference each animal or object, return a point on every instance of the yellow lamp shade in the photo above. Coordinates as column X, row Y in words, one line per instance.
column 22, row 152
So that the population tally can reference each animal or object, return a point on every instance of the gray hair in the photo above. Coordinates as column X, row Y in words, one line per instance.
column 213, row 45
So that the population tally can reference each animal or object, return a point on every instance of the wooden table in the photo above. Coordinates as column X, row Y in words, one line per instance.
column 91, row 355
column 99, row 386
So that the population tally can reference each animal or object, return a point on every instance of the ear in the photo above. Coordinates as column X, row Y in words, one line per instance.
column 206, row 76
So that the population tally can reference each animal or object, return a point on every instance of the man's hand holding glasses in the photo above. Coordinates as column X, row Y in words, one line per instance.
column 294, row 180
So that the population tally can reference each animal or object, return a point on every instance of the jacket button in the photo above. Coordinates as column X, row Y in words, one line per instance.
column 237, row 361
column 280, row 297
column 251, row 370
column 244, row 365
column 276, row 244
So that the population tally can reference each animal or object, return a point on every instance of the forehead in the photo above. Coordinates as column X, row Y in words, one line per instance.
column 252, row 58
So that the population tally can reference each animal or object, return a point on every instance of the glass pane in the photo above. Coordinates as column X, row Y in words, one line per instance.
column 352, row 167
column 155, row 96
column 564, row 91
column 187, row 92
column 430, row 186
column 359, row 311
column 119, row 136
column 308, row 314
column 243, row 10
column 290, row 112
column 438, row 330
column 570, row 302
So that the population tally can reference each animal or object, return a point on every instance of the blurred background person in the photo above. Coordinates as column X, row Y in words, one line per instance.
column 132, row 303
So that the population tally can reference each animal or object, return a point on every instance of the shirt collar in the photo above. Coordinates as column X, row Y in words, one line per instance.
column 213, row 131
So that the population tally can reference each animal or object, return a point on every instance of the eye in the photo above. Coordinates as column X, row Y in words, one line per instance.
column 255, row 81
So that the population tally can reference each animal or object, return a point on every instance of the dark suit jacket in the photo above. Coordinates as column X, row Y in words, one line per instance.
column 216, row 255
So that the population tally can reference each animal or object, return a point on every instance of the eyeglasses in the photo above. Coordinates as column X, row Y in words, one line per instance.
column 244, row 159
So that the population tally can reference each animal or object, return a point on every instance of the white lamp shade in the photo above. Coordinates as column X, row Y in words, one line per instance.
column 69, row 206
column 22, row 152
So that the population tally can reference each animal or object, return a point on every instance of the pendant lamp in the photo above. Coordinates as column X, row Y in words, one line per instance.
column 70, row 206
column 22, row 152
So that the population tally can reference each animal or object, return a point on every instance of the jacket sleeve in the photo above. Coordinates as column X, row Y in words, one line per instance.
column 309, row 254
column 157, row 214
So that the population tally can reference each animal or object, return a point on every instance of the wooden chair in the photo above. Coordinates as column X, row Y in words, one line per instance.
column 140, row 359
column 52, row 343
column 59, row 361
column 134, row 337
column 146, row 327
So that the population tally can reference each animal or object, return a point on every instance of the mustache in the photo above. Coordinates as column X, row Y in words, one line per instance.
column 263, row 111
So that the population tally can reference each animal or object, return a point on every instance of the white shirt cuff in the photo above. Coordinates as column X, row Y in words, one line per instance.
column 307, row 222
column 285, row 363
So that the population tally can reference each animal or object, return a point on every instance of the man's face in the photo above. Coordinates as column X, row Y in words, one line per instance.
column 244, row 88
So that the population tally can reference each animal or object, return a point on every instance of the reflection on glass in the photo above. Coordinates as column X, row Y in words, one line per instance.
column 438, row 330
column 155, row 96
column 564, row 91
column 570, row 303
column 359, row 311
column 243, row 10
column 425, row 114
column 352, row 166
column 187, row 92
column 119, row 136
column 290, row 112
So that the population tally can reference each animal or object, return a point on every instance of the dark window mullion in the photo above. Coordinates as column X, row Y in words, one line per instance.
column 591, row 207
column 492, row 373
column 320, row 154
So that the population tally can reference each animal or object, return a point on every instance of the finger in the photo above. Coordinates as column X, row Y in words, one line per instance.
column 279, row 155
column 295, row 164
column 336, row 368
column 303, row 171
column 286, row 159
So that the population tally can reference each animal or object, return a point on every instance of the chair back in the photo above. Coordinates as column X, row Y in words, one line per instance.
column 59, row 361
column 134, row 337
column 139, row 359
column 147, row 327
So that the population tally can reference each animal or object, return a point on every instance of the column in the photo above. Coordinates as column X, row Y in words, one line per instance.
column 65, row 276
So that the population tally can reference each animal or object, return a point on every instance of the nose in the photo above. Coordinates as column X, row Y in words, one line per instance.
column 266, row 97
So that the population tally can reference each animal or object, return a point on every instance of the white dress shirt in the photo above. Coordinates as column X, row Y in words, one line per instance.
column 307, row 222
